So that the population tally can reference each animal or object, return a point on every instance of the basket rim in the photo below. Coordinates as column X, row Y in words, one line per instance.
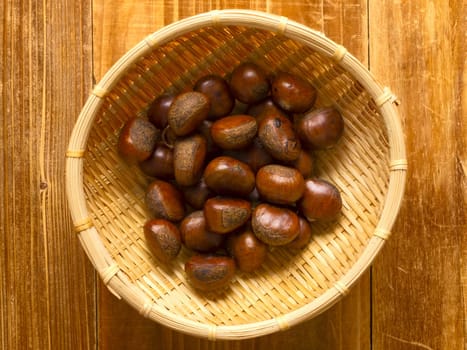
column 116, row 280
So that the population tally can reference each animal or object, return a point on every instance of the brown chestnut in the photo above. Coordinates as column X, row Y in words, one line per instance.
column 274, row 225
column 229, row 176
column 137, row 140
column 212, row 150
column 304, row 164
column 224, row 215
column 254, row 155
column 248, row 251
column 160, row 164
column 209, row 272
column 195, row 236
column 218, row 91
column 197, row 194
column 293, row 93
column 277, row 135
column 187, row 112
column 321, row 200
column 263, row 107
column 164, row 201
column 189, row 156
column 320, row 128
column 303, row 237
column 159, row 110
column 280, row 184
column 234, row 132
column 163, row 239
column 249, row 83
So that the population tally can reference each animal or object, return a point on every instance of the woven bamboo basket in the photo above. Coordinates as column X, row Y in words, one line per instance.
column 368, row 166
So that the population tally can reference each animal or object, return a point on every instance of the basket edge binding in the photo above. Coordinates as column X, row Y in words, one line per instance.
column 119, row 284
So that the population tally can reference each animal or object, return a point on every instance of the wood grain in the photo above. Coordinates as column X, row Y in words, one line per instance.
column 418, row 48
column 343, row 21
column 49, row 295
column 47, row 285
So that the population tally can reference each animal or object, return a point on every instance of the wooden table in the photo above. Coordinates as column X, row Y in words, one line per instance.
column 53, row 51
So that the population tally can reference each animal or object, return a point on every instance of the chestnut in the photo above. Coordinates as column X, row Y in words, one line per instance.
column 159, row 110
column 248, row 251
column 278, row 137
column 209, row 273
column 195, row 236
column 321, row 200
column 280, row 184
column 168, row 137
column 218, row 91
column 273, row 225
column 160, row 164
column 234, row 132
column 264, row 107
column 197, row 194
column 292, row 92
column 304, row 164
column 303, row 237
column 320, row 128
column 163, row 239
column 164, row 201
column 254, row 155
column 137, row 140
column 249, row 83
column 229, row 176
column 212, row 150
column 189, row 156
column 224, row 215
column 187, row 112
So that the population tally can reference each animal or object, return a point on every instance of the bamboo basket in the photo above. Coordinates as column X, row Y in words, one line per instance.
column 105, row 195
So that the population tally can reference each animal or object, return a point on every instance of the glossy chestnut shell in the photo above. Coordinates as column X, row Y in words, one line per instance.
column 158, row 111
column 234, row 132
column 163, row 239
column 209, row 272
column 248, row 251
column 224, row 215
column 164, row 201
column 321, row 200
column 197, row 194
column 187, row 112
column 160, row 164
column 293, row 93
column 137, row 140
column 229, row 176
column 195, row 236
column 303, row 237
column 218, row 91
column 277, row 135
column 249, row 83
column 320, row 128
column 189, row 155
column 279, row 184
column 273, row 225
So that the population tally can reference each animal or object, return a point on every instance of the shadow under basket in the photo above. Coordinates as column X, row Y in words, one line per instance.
column 106, row 196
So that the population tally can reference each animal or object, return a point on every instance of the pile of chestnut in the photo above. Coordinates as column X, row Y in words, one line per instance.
column 231, row 170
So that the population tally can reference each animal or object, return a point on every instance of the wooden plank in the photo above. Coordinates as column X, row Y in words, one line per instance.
column 418, row 49
column 118, row 25
column 47, row 286
column 344, row 326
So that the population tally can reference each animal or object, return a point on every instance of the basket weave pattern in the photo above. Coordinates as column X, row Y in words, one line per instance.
column 291, row 286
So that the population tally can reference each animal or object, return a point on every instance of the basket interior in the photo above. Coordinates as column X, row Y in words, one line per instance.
column 358, row 166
